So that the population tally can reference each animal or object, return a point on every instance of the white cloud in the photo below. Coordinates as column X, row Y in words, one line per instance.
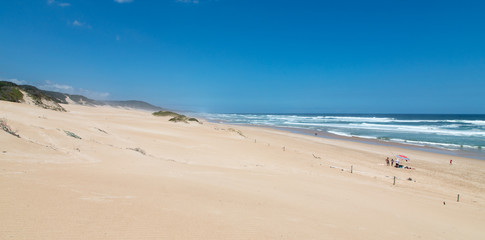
column 56, row 87
column 123, row 1
column 93, row 95
column 77, row 23
column 60, row 4
column 51, row 86
column 188, row 1
column 14, row 80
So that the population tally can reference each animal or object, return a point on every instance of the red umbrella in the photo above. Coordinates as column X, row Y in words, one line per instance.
column 403, row 157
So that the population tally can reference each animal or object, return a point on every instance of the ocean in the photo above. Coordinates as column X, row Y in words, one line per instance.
column 459, row 134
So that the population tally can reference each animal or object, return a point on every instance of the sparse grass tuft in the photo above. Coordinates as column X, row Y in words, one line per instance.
column 101, row 130
column 5, row 127
column 71, row 134
column 138, row 150
column 236, row 131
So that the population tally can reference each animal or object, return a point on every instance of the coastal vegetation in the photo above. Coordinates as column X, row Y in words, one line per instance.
column 175, row 117
column 166, row 114
column 9, row 92
column 13, row 93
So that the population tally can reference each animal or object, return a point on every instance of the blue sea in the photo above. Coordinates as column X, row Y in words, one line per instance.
column 464, row 134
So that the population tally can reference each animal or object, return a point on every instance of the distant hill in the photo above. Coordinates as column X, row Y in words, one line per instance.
column 64, row 98
column 50, row 100
column 131, row 104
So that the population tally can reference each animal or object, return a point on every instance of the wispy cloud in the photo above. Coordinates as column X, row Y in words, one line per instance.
column 123, row 1
column 63, row 88
column 60, row 4
column 52, row 86
column 188, row 1
column 14, row 80
column 49, row 85
column 77, row 23
column 94, row 95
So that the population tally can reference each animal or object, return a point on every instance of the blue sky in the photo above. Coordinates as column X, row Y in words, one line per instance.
column 253, row 56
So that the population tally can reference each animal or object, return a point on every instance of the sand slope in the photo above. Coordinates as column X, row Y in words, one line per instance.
column 136, row 176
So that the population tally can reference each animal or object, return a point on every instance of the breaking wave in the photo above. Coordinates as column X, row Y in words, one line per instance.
column 443, row 131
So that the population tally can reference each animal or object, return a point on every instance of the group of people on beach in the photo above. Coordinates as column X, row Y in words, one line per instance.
column 393, row 163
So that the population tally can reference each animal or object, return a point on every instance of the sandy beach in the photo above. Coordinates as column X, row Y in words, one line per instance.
column 111, row 173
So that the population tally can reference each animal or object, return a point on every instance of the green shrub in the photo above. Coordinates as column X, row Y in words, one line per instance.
column 179, row 118
column 193, row 120
column 175, row 117
column 7, row 84
column 11, row 94
column 166, row 114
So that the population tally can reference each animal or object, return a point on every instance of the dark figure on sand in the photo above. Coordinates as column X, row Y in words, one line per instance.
column 387, row 161
column 451, row 161
column 392, row 162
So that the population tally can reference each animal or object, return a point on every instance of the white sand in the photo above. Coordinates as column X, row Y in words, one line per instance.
column 136, row 176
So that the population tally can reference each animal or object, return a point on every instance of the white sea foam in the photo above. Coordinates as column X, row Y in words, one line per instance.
column 434, row 144
column 341, row 133
column 444, row 133
column 412, row 129
column 359, row 119
column 351, row 135
column 364, row 123
column 449, row 146
column 440, row 130
column 475, row 122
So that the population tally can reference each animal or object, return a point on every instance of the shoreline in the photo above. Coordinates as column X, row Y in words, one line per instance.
column 457, row 153
column 471, row 154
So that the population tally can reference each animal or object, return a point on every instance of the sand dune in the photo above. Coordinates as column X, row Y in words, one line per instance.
column 109, row 173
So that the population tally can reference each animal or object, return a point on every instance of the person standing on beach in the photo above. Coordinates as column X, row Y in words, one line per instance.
column 451, row 161
column 387, row 161
column 392, row 162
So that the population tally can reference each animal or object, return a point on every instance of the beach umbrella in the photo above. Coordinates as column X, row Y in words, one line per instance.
column 403, row 157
